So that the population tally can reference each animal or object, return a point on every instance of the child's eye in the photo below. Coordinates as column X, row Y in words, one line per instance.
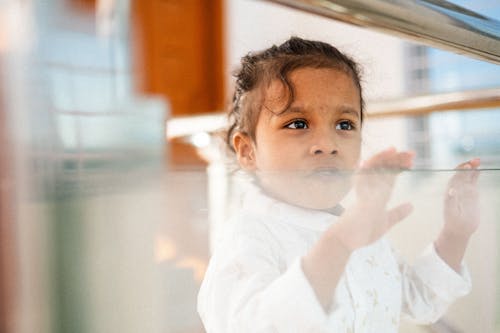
column 345, row 125
column 297, row 124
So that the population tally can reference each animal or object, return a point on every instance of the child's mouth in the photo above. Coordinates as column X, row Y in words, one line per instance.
column 331, row 173
column 327, row 172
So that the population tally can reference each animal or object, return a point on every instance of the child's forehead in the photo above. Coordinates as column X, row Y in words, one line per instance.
column 283, row 100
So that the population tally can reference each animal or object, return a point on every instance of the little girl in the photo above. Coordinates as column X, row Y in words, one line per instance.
column 295, row 260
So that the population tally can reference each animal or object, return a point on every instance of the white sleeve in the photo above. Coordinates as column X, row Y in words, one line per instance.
column 247, row 293
column 430, row 286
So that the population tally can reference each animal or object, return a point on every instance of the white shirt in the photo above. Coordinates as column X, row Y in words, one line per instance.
column 255, row 283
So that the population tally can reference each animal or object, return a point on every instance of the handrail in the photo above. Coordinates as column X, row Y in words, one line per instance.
column 432, row 22
column 457, row 100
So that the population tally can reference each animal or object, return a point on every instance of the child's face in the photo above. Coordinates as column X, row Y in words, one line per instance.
column 297, row 154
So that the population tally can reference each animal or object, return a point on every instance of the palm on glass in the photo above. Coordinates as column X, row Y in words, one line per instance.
column 369, row 218
column 461, row 203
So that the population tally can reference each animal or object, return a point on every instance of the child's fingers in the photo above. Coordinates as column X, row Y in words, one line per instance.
column 397, row 161
column 464, row 174
column 389, row 159
column 471, row 164
column 463, row 185
column 474, row 175
column 405, row 159
column 377, row 160
column 398, row 214
column 474, row 163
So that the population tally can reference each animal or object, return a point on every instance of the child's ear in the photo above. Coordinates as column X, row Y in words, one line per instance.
column 245, row 151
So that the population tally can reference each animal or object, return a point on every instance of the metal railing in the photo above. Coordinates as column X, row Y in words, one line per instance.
column 431, row 22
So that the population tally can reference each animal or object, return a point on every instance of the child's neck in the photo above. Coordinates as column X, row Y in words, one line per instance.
column 336, row 210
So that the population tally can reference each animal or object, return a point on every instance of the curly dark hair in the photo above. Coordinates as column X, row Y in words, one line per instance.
column 258, row 69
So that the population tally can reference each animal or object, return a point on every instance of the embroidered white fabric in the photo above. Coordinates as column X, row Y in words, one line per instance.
column 255, row 283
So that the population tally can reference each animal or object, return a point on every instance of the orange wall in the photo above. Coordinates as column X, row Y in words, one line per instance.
column 178, row 54
column 8, row 268
column 178, row 50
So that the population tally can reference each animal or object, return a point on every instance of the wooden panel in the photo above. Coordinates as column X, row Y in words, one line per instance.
column 85, row 6
column 8, row 269
column 178, row 54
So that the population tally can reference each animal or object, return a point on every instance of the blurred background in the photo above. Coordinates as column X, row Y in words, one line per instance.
column 114, row 185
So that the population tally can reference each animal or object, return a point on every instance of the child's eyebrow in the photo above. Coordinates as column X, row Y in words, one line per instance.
column 340, row 110
column 349, row 110
column 293, row 109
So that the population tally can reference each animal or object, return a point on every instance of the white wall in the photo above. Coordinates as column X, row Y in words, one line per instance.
column 254, row 25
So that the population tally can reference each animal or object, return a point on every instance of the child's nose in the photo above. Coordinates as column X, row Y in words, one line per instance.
column 315, row 150
column 325, row 144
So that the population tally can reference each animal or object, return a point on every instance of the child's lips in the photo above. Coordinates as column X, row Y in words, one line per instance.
column 331, row 173
column 326, row 172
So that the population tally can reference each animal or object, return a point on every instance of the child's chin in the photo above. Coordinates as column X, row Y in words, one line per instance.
column 311, row 193
column 316, row 197
column 314, row 201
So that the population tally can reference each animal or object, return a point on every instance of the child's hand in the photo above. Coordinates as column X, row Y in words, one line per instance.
column 461, row 203
column 360, row 225
column 369, row 219
column 461, row 214
column 377, row 176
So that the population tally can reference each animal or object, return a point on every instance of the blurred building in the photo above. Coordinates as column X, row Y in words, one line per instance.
column 443, row 140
